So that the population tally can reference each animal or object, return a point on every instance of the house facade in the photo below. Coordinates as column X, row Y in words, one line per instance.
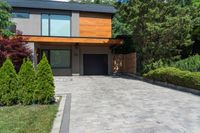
column 76, row 38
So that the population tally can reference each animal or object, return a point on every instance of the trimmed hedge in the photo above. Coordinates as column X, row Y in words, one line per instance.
column 175, row 76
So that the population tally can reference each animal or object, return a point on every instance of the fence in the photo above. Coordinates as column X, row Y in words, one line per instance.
column 124, row 63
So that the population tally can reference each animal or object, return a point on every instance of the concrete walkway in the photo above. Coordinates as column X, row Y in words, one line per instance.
column 118, row 105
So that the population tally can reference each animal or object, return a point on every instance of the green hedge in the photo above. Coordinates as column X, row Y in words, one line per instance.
column 175, row 76
column 28, row 86
column 191, row 64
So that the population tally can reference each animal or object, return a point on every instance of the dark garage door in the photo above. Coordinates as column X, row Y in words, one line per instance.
column 95, row 64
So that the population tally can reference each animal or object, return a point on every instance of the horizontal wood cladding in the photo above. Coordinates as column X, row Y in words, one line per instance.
column 95, row 25
column 70, row 41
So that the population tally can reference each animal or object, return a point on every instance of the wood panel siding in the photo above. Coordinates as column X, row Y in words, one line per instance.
column 81, row 41
column 95, row 25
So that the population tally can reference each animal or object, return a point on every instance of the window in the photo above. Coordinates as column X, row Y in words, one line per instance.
column 20, row 15
column 45, row 25
column 56, row 25
column 58, row 58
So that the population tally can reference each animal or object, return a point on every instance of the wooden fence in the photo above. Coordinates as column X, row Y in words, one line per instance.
column 124, row 63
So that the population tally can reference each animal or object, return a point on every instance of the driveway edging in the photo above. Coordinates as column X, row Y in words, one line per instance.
column 63, row 110
column 165, row 84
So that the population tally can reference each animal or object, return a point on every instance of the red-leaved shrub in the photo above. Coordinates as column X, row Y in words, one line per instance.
column 14, row 48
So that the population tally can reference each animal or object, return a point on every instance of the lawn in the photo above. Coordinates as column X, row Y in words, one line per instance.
column 27, row 119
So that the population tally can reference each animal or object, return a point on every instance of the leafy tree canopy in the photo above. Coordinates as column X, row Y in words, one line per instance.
column 196, row 2
column 5, row 22
column 159, row 28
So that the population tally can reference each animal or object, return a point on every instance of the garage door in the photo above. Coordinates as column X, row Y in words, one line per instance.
column 95, row 64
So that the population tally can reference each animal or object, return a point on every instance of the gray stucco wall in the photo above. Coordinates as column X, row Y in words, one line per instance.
column 75, row 60
column 29, row 26
column 32, row 47
column 75, row 24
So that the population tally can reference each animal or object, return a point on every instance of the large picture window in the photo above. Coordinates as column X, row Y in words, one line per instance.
column 58, row 58
column 56, row 25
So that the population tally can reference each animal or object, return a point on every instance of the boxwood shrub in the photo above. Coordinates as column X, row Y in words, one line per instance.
column 175, row 76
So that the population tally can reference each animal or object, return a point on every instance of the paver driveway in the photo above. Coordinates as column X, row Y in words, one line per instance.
column 119, row 105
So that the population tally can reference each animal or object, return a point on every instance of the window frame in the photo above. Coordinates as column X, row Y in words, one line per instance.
column 17, row 12
column 49, row 24
column 49, row 56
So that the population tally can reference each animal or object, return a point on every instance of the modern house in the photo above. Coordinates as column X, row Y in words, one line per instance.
column 76, row 38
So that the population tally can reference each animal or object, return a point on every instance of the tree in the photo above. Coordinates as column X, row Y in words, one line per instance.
column 8, row 84
column 195, row 13
column 119, row 26
column 196, row 2
column 159, row 28
column 44, row 92
column 184, row 2
column 5, row 21
column 14, row 48
column 26, row 83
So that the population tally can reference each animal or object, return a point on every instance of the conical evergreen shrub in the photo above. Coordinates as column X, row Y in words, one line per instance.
column 8, row 84
column 26, row 83
column 44, row 92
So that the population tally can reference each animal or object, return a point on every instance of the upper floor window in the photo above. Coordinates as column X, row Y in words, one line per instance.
column 56, row 25
column 20, row 15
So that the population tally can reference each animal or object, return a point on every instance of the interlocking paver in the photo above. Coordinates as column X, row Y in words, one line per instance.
column 106, row 104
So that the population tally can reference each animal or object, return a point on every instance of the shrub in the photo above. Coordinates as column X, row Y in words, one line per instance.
column 26, row 82
column 175, row 76
column 14, row 48
column 191, row 64
column 44, row 92
column 154, row 65
column 8, row 84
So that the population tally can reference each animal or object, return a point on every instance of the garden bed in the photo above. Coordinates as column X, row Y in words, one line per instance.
column 27, row 119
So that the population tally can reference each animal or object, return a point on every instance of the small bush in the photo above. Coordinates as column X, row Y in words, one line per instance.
column 175, row 76
column 8, row 84
column 26, row 83
column 153, row 65
column 44, row 92
column 191, row 64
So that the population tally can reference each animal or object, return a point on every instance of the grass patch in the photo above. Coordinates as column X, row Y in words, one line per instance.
column 27, row 119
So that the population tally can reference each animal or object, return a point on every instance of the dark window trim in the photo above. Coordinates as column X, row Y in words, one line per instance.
column 49, row 23
column 49, row 56
column 21, row 17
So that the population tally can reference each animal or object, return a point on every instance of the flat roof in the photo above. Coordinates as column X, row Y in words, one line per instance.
column 60, row 5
